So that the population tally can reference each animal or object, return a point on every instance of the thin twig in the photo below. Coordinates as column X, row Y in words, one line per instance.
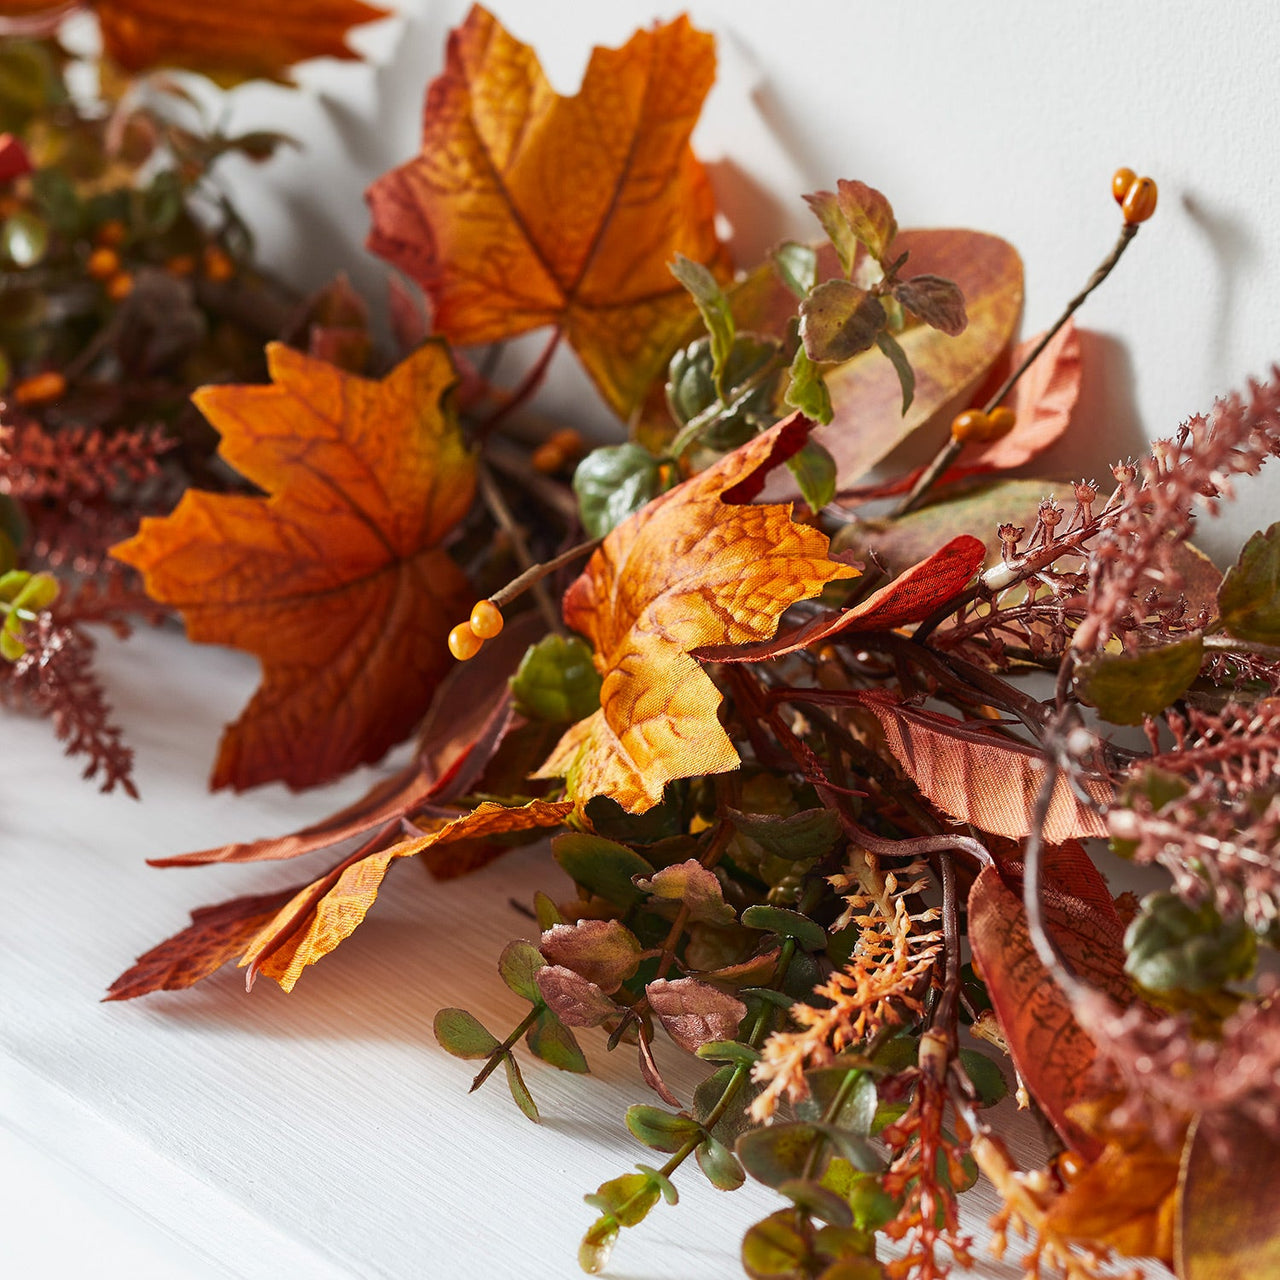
column 535, row 573
column 502, row 516
column 524, row 389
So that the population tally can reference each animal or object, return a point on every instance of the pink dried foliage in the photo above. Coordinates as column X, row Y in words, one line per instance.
column 76, row 461
column 55, row 677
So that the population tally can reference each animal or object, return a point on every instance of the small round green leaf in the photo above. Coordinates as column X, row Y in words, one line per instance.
column 553, row 1042
column 660, row 1130
column 721, row 1166
column 787, row 924
column 775, row 1250
column 613, row 483
column 519, row 1090
column 1249, row 597
column 518, row 967
column 462, row 1035
column 557, row 681
column 815, row 1200
column 1126, row 688
column 601, row 866
column 985, row 1076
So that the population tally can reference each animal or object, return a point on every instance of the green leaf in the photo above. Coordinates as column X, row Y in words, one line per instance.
column 871, row 1204
column 662, row 1182
column 859, row 1108
column 815, row 471
column 24, row 238
column 553, row 1042
column 720, row 1165
column 601, row 866
column 806, row 390
column 985, row 1076
column 728, row 1051
column 660, row 1130
column 775, row 1249
column 779, row 1152
column 462, row 1035
column 1174, row 946
column 787, row 924
column 55, row 194
column 869, row 216
column 1249, row 598
column 627, row 1199
column 692, row 390
column 714, row 306
column 838, row 320
column 613, row 483
column 1126, row 688
column 901, row 366
column 808, row 834
column 519, row 1090
column 815, row 1200
column 826, row 208
column 597, row 1245
column 797, row 267
column 546, row 911
column 557, row 681
column 518, row 965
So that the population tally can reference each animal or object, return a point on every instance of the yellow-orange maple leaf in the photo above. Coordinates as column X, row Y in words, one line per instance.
column 325, row 912
column 231, row 41
column 689, row 570
column 336, row 579
column 526, row 209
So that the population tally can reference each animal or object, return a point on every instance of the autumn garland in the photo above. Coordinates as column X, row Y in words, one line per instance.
column 791, row 760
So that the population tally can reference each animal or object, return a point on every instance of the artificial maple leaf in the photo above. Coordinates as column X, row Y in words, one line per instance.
column 1052, row 1051
column 910, row 597
column 336, row 579
column 229, row 42
column 329, row 909
column 686, row 571
column 526, row 209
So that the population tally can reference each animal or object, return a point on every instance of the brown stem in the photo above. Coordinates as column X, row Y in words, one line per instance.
column 524, row 389
column 952, row 448
column 535, row 573
column 502, row 516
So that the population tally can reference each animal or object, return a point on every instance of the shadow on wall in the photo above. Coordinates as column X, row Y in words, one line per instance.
column 1234, row 250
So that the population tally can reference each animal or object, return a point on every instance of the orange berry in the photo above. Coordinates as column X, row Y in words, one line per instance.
column 1070, row 1166
column 1140, row 201
column 120, row 286
column 218, row 266
column 1003, row 420
column 1121, row 181
column 464, row 644
column 103, row 264
column 111, row 233
column 182, row 264
column 969, row 426
column 40, row 388
column 569, row 442
column 548, row 458
column 487, row 620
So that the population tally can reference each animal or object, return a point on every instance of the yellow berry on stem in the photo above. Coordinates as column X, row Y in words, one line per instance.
column 1003, row 420
column 969, row 426
column 1121, row 181
column 1140, row 201
column 487, row 620
column 464, row 643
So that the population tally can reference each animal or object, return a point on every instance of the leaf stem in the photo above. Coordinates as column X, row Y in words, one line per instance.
column 524, row 390
column 504, row 1048
column 951, row 450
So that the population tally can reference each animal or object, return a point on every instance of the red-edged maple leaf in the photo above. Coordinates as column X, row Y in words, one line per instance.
column 336, row 579
column 525, row 209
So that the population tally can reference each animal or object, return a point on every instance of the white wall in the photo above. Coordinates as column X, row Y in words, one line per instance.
column 1004, row 115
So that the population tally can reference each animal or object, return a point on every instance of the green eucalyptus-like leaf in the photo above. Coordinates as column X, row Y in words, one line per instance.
column 614, row 482
column 1126, row 688
column 985, row 1076
column 780, row 1152
column 462, row 1034
column 601, row 867
column 714, row 306
column 797, row 267
column 814, row 1199
column 858, row 1110
column 553, row 1042
column 518, row 967
column 1249, row 597
column 872, row 1206
column 692, row 389
column 775, row 1249
column 557, row 681
column 721, row 1166
column 1171, row 945
column 733, row 1051
column 626, row 1199
column 597, row 1245
column 838, row 320
column 787, row 924
column 892, row 348
column 807, row 389
column 546, row 911
column 815, row 471
column 519, row 1090
column 662, row 1182
column 660, row 1130
column 812, row 833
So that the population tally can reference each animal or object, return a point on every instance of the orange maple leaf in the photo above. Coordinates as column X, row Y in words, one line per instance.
column 329, row 909
column 231, row 41
column 336, row 579
column 687, row 571
column 526, row 209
